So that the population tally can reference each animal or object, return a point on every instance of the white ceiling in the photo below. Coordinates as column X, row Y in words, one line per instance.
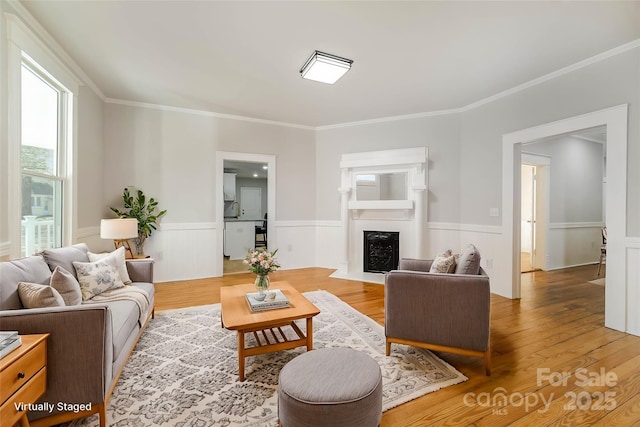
column 243, row 58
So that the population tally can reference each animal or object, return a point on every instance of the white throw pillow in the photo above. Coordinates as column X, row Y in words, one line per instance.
column 34, row 295
column 66, row 284
column 119, row 255
column 443, row 263
column 97, row 277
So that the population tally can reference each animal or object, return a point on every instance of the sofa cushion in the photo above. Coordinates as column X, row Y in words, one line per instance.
column 469, row 261
column 32, row 269
column 124, row 320
column 66, row 284
column 34, row 295
column 119, row 255
column 65, row 257
column 97, row 277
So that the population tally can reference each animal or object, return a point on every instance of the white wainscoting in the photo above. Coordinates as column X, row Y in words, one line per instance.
column 328, row 241
column 184, row 251
column 180, row 251
column 573, row 244
column 295, row 241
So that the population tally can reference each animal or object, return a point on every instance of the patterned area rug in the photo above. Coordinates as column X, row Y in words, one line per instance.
column 184, row 370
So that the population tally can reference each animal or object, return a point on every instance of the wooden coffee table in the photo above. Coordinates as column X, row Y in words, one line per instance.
column 266, row 326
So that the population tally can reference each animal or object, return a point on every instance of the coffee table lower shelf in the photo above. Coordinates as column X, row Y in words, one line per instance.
column 272, row 338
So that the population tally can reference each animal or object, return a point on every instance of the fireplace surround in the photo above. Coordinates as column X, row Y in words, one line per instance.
column 405, row 212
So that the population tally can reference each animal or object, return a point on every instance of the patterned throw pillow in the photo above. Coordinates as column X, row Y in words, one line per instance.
column 67, row 285
column 119, row 255
column 97, row 277
column 443, row 263
column 34, row 295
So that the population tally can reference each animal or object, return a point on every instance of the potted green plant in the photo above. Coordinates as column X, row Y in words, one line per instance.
column 145, row 211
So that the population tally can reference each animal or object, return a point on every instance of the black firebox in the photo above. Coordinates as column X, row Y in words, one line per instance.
column 381, row 251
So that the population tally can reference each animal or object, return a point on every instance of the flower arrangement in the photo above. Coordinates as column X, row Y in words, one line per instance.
column 261, row 261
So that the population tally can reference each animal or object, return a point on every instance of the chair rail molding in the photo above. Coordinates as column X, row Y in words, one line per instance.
column 410, row 208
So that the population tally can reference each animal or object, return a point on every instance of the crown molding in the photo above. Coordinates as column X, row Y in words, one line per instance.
column 547, row 77
column 52, row 44
column 204, row 113
column 59, row 50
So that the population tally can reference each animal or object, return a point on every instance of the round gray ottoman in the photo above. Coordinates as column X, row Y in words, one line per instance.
column 330, row 387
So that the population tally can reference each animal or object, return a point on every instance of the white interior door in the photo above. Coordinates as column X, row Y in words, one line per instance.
column 251, row 203
column 528, row 214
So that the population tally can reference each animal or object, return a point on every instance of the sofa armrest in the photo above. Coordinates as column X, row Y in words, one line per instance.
column 446, row 309
column 140, row 270
column 79, row 350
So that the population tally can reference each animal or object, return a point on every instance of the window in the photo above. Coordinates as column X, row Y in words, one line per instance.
column 44, row 112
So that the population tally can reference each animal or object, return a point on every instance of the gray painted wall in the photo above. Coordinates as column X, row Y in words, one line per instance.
column 440, row 134
column 576, row 175
column 171, row 156
column 605, row 84
column 465, row 149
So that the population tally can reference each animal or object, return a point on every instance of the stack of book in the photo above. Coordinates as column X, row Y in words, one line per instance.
column 9, row 341
column 274, row 299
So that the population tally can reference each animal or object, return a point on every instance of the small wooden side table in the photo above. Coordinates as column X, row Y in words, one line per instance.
column 23, row 379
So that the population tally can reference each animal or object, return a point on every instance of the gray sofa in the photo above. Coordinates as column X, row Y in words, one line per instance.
column 88, row 344
column 439, row 311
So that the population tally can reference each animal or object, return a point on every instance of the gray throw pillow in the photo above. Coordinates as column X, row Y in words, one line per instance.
column 34, row 295
column 469, row 261
column 66, row 284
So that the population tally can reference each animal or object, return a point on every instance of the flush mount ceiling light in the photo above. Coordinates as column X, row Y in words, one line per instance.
column 324, row 67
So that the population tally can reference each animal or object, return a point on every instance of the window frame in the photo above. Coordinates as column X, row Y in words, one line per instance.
column 25, row 48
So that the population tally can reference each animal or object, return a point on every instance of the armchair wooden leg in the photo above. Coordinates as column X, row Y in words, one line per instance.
column 388, row 349
column 487, row 362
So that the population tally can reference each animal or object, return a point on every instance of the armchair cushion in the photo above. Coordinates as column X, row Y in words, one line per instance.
column 444, row 263
column 469, row 261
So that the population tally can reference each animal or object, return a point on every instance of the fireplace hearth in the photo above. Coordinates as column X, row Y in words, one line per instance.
column 381, row 251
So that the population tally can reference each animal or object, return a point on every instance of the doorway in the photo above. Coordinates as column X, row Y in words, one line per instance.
column 617, row 314
column 235, row 231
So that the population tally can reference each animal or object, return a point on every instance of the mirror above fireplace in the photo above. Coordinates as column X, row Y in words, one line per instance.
column 381, row 186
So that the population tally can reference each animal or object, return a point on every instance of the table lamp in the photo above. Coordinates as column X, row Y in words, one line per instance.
column 120, row 230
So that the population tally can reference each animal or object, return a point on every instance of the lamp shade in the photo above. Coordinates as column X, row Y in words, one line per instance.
column 324, row 67
column 118, row 229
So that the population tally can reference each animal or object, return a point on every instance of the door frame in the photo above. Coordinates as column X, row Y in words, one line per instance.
column 221, row 156
column 615, row 119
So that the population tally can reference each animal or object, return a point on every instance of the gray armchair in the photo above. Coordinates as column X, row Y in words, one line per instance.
column 438, row 311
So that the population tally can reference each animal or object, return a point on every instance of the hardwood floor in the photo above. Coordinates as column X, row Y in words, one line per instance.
column 553, row 361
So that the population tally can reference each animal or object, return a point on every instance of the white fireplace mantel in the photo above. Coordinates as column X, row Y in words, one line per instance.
column 413, row 162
